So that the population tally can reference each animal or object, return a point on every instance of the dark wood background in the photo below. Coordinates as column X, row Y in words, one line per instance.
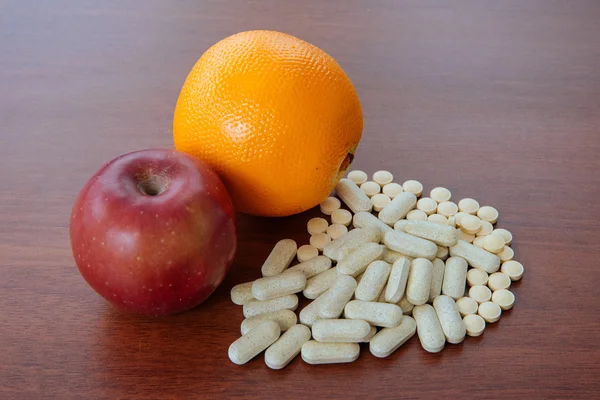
column 498, row 100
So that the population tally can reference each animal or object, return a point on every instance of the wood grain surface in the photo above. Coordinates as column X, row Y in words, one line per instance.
column 496, row 100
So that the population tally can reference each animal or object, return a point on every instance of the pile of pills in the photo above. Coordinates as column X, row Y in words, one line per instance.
column 393, row 264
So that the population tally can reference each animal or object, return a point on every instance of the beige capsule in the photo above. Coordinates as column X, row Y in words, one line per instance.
column 312, row 267
column 314, row 352
column 442, row 235
column 398, row 208
column 352, row 196
column 341, row 330
column 437, row 279
column 429, row 329
column 378, row 314
column 257, row 307
column 335, row 299
column 280, row 258
column 357, row 261
column 410, row 245
column 242, row 293
column 373, row 281
column 476, row 257
column 396, row 285
column 288, row 346
column 255, row 341
column 342, row 246
column 272, row 287
column 391, row 256
column 419, row 281
column 455, row 277
column 368, row 220
column 285, row 319
column 388, row 340
column 450, row 319
column 406, row 306
column 372, row 333
column 442, row 253
column 319, row 284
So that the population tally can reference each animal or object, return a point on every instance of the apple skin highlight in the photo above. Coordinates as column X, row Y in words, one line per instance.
column 153, row 231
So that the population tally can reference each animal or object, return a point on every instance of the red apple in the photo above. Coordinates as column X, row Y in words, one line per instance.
column 153, row 231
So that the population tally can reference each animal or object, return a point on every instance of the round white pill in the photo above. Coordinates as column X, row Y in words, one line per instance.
column 413, row 186
column 468, row 205
column 504, row 298
column 320, row 240
column 370, row 188
column 493, row 243
column 383, row 177
column 392, row 189
column 467, row 237
column 329, row 205
column 506, row 254
column 458, row 217
column 513, row 269
column 379, row 201
column 416, row 215
column 486, row 228
column 466, row 306
column 442, row 252
column 427, row 205
column 488, row 213
column 470, row 224
column 477, row 276
column 336, row 230
column 447, row 208
column 498, row 280
column 342, row 217
column 480, row 293
column 505, row 234
column 358, row 177
column 317, row 225
column 478, row 241
column 440, row 194
column 490, row 311
column 475, row 324
column 438, row 219
column 306, row 252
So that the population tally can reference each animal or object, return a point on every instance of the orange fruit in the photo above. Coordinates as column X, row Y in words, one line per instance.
column 276, row 117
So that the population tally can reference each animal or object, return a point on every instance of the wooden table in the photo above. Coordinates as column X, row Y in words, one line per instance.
column 495, row 100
